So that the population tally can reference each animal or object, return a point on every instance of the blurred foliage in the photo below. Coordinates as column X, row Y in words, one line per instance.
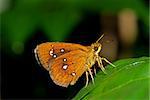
column 56, row 18
column 129, row 80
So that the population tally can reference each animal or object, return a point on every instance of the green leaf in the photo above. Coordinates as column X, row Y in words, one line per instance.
column 129, row 81
column 17, row 27
column 57, row 17
column 57, row 25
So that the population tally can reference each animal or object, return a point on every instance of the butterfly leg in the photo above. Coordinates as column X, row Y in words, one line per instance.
column 91, row 75
column 100, row 64
column 94, row 70
column 87, row 79
column 108, row 62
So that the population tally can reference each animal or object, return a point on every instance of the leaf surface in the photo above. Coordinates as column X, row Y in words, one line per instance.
column 129, row 80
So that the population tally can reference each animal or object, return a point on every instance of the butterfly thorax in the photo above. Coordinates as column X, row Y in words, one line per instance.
column 94, row 50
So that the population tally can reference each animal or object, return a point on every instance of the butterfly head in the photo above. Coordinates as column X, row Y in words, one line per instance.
column 96, row 48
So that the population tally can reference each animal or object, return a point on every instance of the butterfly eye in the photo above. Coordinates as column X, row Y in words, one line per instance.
column 95, row 48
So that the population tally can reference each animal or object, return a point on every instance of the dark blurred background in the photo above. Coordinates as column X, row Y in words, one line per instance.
column 27, row 23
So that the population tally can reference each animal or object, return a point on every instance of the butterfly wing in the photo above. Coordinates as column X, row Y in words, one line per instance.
column 64, row 61
column 65, row 72
column 45, row 53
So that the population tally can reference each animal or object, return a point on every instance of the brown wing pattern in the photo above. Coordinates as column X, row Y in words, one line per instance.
column 75, row 68
column 42, row 51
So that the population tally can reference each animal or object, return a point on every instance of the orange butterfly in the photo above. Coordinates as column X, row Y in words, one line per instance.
column 66, row 62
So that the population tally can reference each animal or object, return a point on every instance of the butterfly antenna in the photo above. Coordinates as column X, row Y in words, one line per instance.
column 100, row 38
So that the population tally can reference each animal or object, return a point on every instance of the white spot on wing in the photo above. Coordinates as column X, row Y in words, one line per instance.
column 65, row 67
column 62, row 50
column 54, row 55
column 64, row 59
column 73, row 73
column 51, row 52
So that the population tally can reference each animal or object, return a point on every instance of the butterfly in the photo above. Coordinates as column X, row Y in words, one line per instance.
column 66, row 62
